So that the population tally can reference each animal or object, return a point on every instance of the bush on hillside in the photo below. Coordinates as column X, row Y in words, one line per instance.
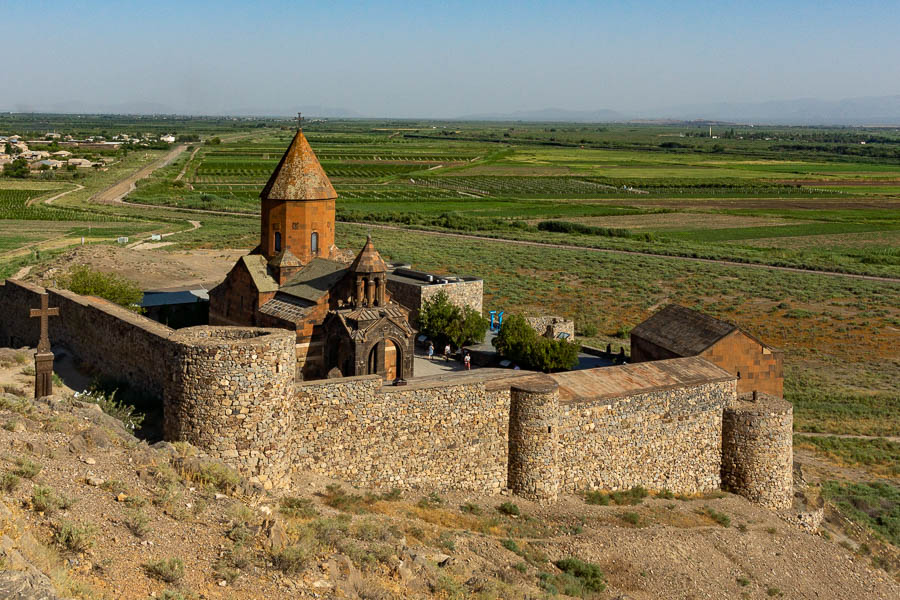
column 88, row 282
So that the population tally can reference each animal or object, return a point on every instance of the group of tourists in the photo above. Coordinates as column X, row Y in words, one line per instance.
column 448, row 353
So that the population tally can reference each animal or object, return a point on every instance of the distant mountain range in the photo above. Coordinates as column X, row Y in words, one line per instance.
column 551, row 114
column 876, row 110
column 156, row 108
column 873, row 110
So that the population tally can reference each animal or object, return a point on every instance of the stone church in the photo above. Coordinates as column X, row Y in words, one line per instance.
column 345, row 320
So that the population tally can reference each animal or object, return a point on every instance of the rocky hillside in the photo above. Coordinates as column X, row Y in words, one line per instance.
column 89, row 511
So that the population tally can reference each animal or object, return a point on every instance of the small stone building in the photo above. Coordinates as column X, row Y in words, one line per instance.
column 345, row 320
column 676, row 331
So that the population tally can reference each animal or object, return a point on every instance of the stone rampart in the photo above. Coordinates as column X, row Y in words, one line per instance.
column 534, row 439
column 757, row 450
column 662, row 439
column 550, row 326
column 114, row 341
column 436, row 434
column 229, row 392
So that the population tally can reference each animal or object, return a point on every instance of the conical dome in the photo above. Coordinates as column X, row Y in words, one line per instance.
column 368, row 260
column 298, row 176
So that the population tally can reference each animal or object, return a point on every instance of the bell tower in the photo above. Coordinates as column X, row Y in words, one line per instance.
column 297, row 212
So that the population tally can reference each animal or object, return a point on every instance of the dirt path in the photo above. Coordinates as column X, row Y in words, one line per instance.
column 632, row 252
column 50, row 200
column 114, row 193
column 184, row 169
column 194, row 226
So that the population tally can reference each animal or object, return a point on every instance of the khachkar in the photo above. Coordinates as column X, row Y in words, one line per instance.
column 43, row 358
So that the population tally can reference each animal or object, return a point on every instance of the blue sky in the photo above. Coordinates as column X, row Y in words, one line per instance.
column 444, row 59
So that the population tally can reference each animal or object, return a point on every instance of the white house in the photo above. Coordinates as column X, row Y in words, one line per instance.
column 168, row 138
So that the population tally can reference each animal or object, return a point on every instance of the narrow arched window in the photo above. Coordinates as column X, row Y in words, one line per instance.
column 277, row 241
column 314, row 242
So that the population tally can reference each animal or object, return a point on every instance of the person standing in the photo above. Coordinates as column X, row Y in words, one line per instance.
column 447, row 351
column 430, row 350
column 468, row 361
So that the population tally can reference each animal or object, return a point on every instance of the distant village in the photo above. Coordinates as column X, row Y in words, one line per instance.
column 42, row 155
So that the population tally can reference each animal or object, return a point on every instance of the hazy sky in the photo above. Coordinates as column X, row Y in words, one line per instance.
column 444, row 59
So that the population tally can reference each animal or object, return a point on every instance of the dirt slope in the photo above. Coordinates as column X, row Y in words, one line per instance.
column 143, row 503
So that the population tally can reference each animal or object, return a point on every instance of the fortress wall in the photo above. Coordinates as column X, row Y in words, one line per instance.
column 441, row 435
column 229, row 392
column 757, row 450
column 116, row 342
column 664, row 439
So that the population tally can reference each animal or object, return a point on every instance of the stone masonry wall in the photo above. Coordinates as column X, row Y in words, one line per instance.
column 116, row 342
column 667, row 439
column 553, row 325
column 229, row 393
column 441, row 435
column 460, row 293
column 757, row 450
column 534, row 439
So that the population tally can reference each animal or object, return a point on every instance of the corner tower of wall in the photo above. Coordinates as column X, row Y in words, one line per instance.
column 228, row 392
column 757, row 450
column 533, row 472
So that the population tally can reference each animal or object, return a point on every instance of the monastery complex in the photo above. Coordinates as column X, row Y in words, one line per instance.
column 307, row 366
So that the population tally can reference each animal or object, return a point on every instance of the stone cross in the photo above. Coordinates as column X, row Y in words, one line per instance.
column 300, row 121
column 43, row 358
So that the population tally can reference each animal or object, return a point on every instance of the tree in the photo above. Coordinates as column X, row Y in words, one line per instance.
column 443, row 322
column 17, row 168
column 520, row 343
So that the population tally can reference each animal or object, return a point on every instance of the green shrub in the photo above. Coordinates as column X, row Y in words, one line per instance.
column 432, row 500
column 108, row 404
column 211, row 473
column 9, row 482
column 169, row 570
column 294, row 558
column 631, row 517
column 86, row 281
column 511, row 545
column 470, row 508
column 627, row 497
column 297, row 508
column 508, row 508
column 73, row 537
column 45, row 500
column 720, row 518
column 577, row 578
column 520, row 343
column 443, row 321
column 137, row 523
column 26, row 468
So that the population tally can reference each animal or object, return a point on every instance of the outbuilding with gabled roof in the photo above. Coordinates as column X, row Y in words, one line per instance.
column 676, row 331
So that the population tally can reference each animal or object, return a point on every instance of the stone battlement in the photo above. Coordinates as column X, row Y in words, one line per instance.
column 671, row 424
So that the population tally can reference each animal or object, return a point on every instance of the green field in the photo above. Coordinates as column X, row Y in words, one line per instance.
column 502, row 181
